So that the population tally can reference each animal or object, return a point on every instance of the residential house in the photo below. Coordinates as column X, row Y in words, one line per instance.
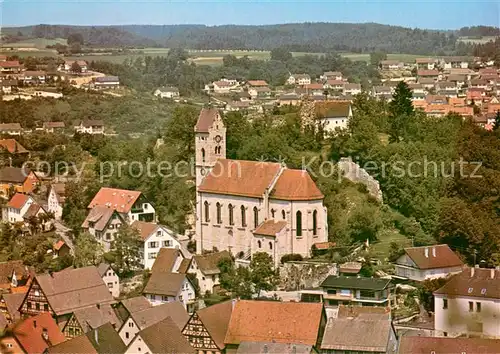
column 259, row 92
column 110, row 278
column 144, row 318
column 33, row 77
column 475, row 95
column 154, row 238
column 426, row 63
column 479, row 83
column 206, row 269
column 9, row 306
column 15, row 210
column 90, row 318
column 437, row 345
column 10, row 67
column 331, row 75
column 35, row 217
column 7, row 86
column 15, row 277
column 427, row 82
column 90, row 127
column 207, row 327
column 54, row 127
column 459, row 80
column 468, row 304
column 428, row 262
column 390, row 65
column 34, row 335
column 299, row 79
column 382, row 92
column 456, row 101
column 419, row 104
column 350, row 269
column 19, row 180
column 61, row 249
column 272, row 347
column 347, row 290
column 455, row 62
column 131, row 205
column 333, row 114
column 275, row 322
column 167, row 92
column 437, row 110
column 10, row 128
column 464, row 111
column 257, row 83
column 224, row 86
column 352, row 89
column 103, row 223
column 236, row 106
column 289, row 99
column 68, row 65
column 429, row 74
column 128, row 306
column 315, row 89
column 12, row 147
column 363, row 334
column 468, row 73
column 436, row 99
column 106, row 82
column 102, row 340
column 56, row 199
column 447, row 86
column 65, row 292
column 335, row 85
column 160, row 338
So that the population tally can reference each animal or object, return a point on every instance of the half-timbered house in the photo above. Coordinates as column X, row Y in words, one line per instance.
column 87, row 319
column 206, row 328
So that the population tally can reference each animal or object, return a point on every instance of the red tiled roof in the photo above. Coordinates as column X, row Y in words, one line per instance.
column 438, row 256
column 145, row 229
column 314, row 86
column 335, row 82
column 437, row 345
column 270, row 228
column 296, row 185
column 216, row 320
column 119, row 199
column 18, row 201
column 10, row 64
column 58, row 245
column 272, row 321
column 13, row 146
column 425, row 60
column 257, row 83
column 238, row 177
column 463, row 110
column 428, row 73
column 206, row 119
column 473, row 282
column 29, row 333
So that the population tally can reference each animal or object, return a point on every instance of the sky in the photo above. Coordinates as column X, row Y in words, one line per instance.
column 432, row 14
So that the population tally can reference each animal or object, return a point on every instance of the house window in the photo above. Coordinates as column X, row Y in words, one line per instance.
column 152, row 255
column 158, row 233
column 126, row 335
column 203, row 155
column 164, row 298
column 259, row 244
column 270, row 245
column 315, row 222
column 478, row 307
column 243, row 217
column 110, row 285
column 131, row 324
column 255, row 217
column 207, row 212
column 108, row 236
column 214, row 277
column 28, row 305
column 299, row 223
column 283, row 215
column 445, row 304
column 153, row 244
column 471, row 306
column 37, row 306
column 72, row 332
column 231, row 218
column 272, row 213
column 218, row 207
column 167, row 243
column 46, row 307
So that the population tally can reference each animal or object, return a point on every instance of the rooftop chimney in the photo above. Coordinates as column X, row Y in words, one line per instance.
column 433, row 251
column 472, row 272
column 426, row 251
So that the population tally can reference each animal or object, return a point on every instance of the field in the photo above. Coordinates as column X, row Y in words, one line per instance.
column 477, row 40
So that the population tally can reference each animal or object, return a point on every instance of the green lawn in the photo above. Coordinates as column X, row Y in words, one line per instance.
column 406, row 58
column 380, row 249
column 40, row 43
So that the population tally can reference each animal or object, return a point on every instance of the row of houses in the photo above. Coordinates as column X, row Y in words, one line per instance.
column 443, row 63
column 84, row 127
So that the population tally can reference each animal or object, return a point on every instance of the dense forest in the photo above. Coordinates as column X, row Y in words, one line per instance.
column 303, row 37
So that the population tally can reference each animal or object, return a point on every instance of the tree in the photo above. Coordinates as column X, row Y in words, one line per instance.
column 281, row 54
column 426, row 289
column 237, row 281
column 377, row 57
column 75, row 67
column 262, row 272
column 75, row 38
column 87, row 251
column 401, row 111
column 125, row 250
column 496, row 125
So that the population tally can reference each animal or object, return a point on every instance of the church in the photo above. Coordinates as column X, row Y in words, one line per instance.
column 252, row 206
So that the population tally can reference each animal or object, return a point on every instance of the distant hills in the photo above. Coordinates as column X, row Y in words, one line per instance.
column 304, row 37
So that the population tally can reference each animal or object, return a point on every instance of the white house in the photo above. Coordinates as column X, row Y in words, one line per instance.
column 225, row 86
column 90, row 127
column 167, row 92
column 352, row 89
column 333, row 114
column 110, row 278
column 16, row 208
column 105, row 82
column 10, row 128
column 299, row 79
column 56, row 198
column 428, row 262
column 154, row 238
column 391, row 65
column 205, row 267
column 426, row 63
column 67, row 66
column 235, row 197
column 103, row 223
column 455, row 63
column 331, row 75
column 469, row 304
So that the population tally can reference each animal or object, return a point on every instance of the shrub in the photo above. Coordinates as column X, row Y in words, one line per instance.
column 291, row 257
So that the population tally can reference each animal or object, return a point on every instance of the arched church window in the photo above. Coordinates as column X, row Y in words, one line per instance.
column 231, row 218
column 259, row 244
column 206, row 211
column 272, row 213
column 315, row 222
column 203, row 155
column 243, row 217
column 219, row 213
column 270, row 245
column 255, row 217
column 283, row 215
column 298, row 220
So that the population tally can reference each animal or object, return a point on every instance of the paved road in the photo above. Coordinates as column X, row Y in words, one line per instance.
column 63, row 231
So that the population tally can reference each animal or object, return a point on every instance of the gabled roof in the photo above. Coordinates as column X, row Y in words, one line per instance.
column 165, row 337
column 105, row 79
column 208, row 263
column 103, row 268
column 168, row 284
column 29, row 333
column 257, row 83
column 473, row 282
column 357, row 334
column 355, row 283
column 106, row 340
column 33, row 210
column 54, row 125
column 270, row 227
column 427, row 73
column 73, row 289
column 165, row 260
column 274, row 348
column 438, row 256
column 99, row 216
column 10, row 64
column 13, row 174
column 8, row 268
column 440, row 345
column 332, row 109
column 13, row 301
column 136, row 304
column 296, row 185
column 121, row 200
column 77, row 345
column 425, row 60
column 60, row 191
column 144, row 228
column 92, row 317
column 273, row 321
column 206, row 119
column 238, row 177
column 12, row 146
column 152, row 315
column 92, row 123
column 10, row 126
column 168, row 89
column 216, row 320
column 18, row 200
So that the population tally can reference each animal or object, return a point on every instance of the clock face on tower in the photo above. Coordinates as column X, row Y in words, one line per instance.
column 218, row 138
